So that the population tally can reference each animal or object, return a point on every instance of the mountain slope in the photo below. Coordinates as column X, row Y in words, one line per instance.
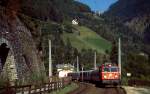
column 85, row 38
column 56, row 10
column 128, row 9
column 135, row 14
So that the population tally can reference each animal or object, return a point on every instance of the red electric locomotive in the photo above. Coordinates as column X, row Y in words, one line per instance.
column 110, row 74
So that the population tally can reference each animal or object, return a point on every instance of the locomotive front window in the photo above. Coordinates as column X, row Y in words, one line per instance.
column 106, row 70
column 114, row 69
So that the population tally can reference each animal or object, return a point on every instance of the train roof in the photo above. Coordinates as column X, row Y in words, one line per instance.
column 83, row 71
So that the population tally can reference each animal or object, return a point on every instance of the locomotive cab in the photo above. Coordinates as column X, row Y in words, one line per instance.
column 110, row 74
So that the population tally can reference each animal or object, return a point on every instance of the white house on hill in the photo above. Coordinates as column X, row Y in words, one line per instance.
column 75, row 22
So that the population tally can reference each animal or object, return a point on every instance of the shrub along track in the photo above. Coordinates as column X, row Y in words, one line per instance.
column 85, row 88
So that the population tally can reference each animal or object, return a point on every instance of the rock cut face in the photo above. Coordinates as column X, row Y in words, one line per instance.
column 22, row 54
column 8, row 67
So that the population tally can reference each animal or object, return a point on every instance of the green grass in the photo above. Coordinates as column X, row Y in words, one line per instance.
column 66, row 90
column 87, row 39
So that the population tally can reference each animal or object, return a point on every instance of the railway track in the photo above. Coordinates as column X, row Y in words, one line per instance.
column 82, row 87
column 85, row 88
column 114, row 90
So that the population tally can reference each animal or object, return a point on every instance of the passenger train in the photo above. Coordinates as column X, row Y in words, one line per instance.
column 106, row 74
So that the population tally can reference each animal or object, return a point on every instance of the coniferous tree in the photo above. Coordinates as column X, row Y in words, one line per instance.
column 114, row 54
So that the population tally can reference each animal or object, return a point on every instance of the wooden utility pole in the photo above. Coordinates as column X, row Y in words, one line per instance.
column 50, row 59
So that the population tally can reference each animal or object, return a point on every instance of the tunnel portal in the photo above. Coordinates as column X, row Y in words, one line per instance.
column 3, row 54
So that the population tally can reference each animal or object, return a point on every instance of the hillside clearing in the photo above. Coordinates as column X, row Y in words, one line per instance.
column 85, row 38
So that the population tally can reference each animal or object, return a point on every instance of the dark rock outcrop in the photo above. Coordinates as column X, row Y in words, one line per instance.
column 23, row 51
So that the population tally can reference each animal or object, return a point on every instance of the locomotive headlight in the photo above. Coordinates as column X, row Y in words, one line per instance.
column 105, row 76
column 116, row 76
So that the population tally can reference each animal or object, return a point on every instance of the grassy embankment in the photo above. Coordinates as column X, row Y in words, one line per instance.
column 67, row 89
column 87, row 39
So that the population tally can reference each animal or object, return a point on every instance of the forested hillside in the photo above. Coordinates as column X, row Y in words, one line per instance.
column 56, row 10
column 134, row 15
column 52, row 19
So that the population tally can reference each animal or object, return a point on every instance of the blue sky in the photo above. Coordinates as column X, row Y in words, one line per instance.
column 98, row 5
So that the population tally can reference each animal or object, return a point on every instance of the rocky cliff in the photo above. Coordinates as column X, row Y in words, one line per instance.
column 23, row 59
